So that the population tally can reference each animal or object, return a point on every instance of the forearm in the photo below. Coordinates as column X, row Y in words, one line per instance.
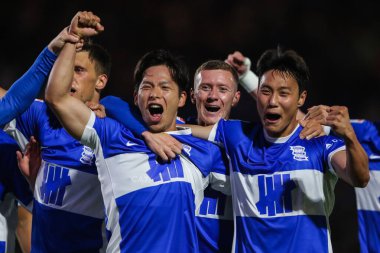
column 357, row 170
column 72, row 113
column 202, row 132
column 24, row 229
column 249, row 81
column 26, row 89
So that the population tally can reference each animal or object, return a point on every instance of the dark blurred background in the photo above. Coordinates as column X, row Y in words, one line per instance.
column 339, row 41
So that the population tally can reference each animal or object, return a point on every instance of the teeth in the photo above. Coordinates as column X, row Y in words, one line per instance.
column 155, row 109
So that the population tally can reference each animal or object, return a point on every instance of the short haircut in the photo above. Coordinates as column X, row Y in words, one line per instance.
column 98, row 54
column 288, row 62
column 177, row 68
column 216, row 65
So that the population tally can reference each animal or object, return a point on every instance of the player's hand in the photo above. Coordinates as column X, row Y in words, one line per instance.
column 319, row 113
column 29, row 163
column 59, row 41
column 236, row 60
column 98, row 109
column 163, row 145
column 312, row 128
column 339, row 120
column 85, row 24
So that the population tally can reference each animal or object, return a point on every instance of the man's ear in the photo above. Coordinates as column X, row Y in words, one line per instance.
column 135, row 97
column 182, row 99
column 236, row 98
column 101, row 82
column 302, row 99
column 192, row 95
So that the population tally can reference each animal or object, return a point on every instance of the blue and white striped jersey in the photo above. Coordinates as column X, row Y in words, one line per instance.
column 368, row 198
column 282, row 188
column 215, row 223
column 12, row 184
column 150, row 205
column 68, row 210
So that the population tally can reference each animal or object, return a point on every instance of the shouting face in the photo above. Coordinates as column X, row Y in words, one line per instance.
column 158, row 99
column 215, row 93
column 278, row 100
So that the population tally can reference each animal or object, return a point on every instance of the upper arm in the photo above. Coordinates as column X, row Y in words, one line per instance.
column 73, row 115
column 338, row 162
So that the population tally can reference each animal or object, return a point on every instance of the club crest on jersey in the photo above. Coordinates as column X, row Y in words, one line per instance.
column 187, row 149
column 87, row 156
column 299, row 153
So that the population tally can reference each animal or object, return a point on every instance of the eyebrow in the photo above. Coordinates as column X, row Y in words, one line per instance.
column 151, row 83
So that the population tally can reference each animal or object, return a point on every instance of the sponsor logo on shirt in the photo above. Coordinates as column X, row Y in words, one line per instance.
column 213, row 205
column 55, row 181
column 165, row 171
column 130, row 143
column 275, row 194
column 299, row 153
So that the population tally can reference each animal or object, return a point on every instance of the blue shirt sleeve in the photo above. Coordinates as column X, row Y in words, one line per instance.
column 11, row 179
column 119, row 110
column 26, row 89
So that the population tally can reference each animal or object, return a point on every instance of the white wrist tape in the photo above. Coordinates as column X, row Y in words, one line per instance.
column 326, row 129
column 249, row 80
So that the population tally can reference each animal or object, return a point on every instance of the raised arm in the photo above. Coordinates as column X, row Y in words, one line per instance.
column 247, row 78
column 26, row 89
column 350, row 165
column 72, row 113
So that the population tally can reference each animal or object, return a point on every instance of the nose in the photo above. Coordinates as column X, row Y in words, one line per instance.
column 155, row 93
column 213, row 94
column 273, row 100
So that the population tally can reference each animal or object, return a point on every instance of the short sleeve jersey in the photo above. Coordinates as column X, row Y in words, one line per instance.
column 150, row 205
column 368, row 198
column 12, row 184
column 282, row 188
column 67, row 195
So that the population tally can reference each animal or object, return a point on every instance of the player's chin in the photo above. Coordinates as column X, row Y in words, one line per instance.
column 156, row 128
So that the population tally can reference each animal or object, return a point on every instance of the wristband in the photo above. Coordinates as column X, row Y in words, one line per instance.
column 249, row 80
column 326, row 129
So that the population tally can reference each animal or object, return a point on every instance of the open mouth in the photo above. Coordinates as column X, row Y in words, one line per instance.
column 212, row 108
column 272, row 116
column 72, row 90
column 155, row 109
